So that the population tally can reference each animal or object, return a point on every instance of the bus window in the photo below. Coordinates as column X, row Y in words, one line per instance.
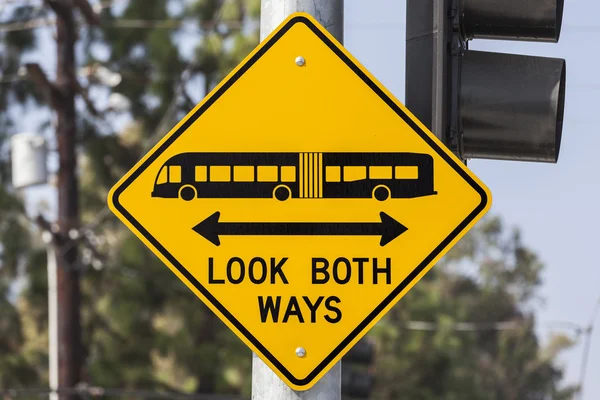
column 243, row 173
column 333, row 174
column 200, row 173
column 407, row 172
column 267, row 173
column 220, row 173
column 162, row 176
column 354, row 173
column 174, row 173
column 288, row 173
column 380, row 172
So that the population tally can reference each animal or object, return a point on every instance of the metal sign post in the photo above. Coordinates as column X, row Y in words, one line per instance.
column 266, row 385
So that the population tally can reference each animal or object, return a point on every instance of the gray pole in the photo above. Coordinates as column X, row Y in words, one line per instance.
column 329, row 13
column 52, row 321
column 265, row 384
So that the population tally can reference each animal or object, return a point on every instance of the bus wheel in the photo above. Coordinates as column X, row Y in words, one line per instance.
column 187, row 192
column 282, row 193
column 381, row 193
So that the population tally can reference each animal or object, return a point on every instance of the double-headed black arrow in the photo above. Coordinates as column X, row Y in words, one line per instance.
column 389, row 229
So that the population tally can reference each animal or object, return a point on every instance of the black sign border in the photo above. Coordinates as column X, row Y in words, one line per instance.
column 411, row 277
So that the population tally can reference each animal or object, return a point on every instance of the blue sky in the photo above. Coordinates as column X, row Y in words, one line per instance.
column 554, row 204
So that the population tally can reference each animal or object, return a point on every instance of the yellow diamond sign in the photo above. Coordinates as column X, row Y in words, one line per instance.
column 300, row 200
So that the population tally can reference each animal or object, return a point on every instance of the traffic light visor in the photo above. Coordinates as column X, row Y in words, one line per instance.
column 512, row 106
column 528, row 20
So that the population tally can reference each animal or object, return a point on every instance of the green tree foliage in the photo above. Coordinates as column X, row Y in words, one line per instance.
column 142, row 328
column 146, row 329
column 19, row 354
column 490, row 276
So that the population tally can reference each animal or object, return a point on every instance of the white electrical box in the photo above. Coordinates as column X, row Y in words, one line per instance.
column 28, row 160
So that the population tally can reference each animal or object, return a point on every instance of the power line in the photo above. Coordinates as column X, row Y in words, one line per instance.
column 127, row 23
column 190, row 23
column 20, row 2
column 101, row 4
column 94, row 391
column 462, row 326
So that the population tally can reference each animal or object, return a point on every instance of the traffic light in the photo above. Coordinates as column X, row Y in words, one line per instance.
column 357, row 374
column 481, row 104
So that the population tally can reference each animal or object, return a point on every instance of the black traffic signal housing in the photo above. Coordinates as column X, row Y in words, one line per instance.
column 358, row 377
column 481, row 104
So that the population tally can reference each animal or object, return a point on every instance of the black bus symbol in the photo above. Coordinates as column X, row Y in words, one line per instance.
column 295, row 175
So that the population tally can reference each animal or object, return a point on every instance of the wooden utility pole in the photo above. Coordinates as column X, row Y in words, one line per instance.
column 61, row 97
column 70, row 348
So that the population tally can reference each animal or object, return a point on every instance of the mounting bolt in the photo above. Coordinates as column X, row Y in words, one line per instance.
column 300, row 352
column 300, row 61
